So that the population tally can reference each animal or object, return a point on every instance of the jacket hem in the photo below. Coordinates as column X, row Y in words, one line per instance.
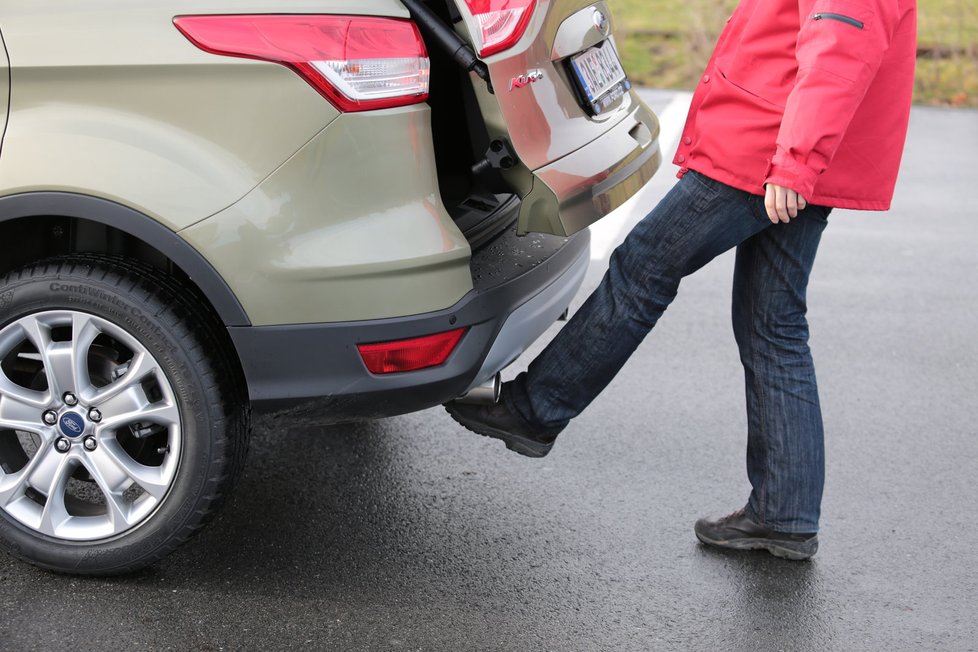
column 727, row 178
column 816, row 198
column 851, row 204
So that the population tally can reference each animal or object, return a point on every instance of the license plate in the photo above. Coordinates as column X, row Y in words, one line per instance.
column 600, row 77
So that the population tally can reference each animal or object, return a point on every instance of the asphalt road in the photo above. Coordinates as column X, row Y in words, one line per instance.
column 411, row 534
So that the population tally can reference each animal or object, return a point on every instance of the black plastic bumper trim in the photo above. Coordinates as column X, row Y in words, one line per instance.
column 314, row 371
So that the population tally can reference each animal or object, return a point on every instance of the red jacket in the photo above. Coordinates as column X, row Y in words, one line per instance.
column 813, row 95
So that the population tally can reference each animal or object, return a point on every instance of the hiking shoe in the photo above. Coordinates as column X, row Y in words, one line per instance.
column 738, row 532
column 499, row 422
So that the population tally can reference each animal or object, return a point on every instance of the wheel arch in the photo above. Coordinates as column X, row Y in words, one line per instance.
column 44, row 215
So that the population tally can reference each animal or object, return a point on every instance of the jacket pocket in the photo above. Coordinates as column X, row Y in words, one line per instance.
column 848, row 20
column 849, row 13
column 838, row 37
column 742, row 87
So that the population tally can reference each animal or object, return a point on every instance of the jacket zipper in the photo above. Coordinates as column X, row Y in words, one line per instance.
column 839, row 17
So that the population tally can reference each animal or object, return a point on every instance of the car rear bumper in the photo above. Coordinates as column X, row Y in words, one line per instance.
column 314, row 372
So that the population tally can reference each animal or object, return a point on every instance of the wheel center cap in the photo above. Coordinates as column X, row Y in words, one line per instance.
column 71, row 424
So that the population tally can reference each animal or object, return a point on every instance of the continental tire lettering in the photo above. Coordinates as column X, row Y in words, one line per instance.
column 89, row 291
column 130, row 316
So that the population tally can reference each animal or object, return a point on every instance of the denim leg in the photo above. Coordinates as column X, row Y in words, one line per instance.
column 696, row 221
column 785, row 450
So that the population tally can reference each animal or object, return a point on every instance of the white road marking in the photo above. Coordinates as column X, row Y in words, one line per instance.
column 612, row 229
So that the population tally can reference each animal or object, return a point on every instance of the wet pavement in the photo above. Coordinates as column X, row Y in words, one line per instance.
column 411, row 534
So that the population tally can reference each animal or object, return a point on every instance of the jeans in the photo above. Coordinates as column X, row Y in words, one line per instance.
column 699, row 219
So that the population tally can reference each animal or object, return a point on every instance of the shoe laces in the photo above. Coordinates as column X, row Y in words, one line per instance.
column 723, row 520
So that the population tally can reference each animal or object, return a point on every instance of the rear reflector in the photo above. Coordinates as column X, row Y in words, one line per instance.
column 358, row 63
column 410, row 355
column 502, row 22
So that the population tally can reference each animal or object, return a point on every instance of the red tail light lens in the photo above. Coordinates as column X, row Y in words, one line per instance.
column 502, row 22
column 410, row 355
column 358, row 63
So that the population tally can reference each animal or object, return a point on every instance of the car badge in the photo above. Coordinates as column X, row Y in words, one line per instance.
column 71, row 424
column 601, row 22
column 525, row 80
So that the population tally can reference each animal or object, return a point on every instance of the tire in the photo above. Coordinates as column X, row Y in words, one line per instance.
column 128, row 371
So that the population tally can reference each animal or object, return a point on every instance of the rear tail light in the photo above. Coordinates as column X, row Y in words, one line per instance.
column 502, row 22
column 358, row 63
column 410, row 355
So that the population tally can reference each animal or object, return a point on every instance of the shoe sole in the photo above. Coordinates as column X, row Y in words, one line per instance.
column 776, row 548
column 515, row 443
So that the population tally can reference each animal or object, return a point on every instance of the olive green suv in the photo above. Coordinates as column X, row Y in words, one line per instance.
column 333, row 210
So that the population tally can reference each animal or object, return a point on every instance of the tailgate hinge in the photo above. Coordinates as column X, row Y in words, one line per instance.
column 445, row 37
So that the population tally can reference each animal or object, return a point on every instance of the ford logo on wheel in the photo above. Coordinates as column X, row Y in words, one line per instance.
column 72, row 424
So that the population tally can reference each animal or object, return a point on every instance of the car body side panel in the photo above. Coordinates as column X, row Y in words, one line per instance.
column 111, row 100
column 351, row 228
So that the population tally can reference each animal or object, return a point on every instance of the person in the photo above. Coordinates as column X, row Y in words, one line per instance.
column 803, row 107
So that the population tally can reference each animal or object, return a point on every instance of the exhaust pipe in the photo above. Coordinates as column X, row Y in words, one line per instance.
column 485, row 394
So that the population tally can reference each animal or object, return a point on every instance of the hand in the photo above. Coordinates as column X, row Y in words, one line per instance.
column 782, row 203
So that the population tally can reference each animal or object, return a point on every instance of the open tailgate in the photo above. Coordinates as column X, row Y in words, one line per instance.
column 560, row 97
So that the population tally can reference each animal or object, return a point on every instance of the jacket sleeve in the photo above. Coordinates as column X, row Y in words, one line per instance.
column 840, row 46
